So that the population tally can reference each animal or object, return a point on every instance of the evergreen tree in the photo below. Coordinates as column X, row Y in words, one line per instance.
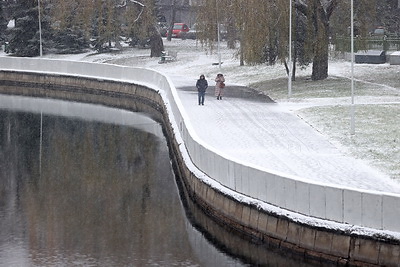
column 25, row 37
column 3, row 21
column 104, row 22
column 70, row 26
column 70, row 40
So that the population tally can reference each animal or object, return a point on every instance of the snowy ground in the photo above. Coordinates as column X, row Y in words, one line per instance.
column 306, row 135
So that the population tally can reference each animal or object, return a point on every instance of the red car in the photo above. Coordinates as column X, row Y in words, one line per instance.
column 178, row 29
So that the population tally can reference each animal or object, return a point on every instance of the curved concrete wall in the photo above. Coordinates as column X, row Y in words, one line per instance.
column 343, row 205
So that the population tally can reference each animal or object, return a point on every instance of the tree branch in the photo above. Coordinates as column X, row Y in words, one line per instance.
column 135, row 2
column 331, row 7
column 301, row 7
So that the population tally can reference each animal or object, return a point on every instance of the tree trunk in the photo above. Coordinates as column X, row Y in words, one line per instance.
column 321, row 46
column 156, row 43
column 320, row 61
column 320, row 22
column 231, row 34
column 321, row 54
column 286, row 67
column 171, row 26
column 294, row 68
column 241, row 54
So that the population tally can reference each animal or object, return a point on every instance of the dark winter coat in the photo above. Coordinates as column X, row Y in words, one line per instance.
column 202, row 85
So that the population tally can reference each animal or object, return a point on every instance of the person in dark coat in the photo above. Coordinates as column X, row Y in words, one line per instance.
column 201, row 86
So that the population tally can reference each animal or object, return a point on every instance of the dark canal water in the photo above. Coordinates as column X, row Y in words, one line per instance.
column 83, row 191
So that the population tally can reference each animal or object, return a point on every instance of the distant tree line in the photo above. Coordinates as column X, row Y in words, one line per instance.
column 261, row 27
column 72, row 26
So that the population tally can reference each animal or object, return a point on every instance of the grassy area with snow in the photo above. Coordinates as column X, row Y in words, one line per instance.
column 325, row 105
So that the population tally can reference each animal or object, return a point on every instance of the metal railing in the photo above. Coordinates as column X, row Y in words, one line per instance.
column 384, row 43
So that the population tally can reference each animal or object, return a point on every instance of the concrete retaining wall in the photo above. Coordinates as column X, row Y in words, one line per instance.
column 370, row 57
column 394, row 58
column 359, row 208
column 343, row 205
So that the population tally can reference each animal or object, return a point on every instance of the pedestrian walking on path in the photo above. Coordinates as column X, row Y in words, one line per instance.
column 219, row 86
column 201, row 86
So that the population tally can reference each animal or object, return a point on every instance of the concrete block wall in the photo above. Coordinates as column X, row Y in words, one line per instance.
column 394, row 58
column 343, row 205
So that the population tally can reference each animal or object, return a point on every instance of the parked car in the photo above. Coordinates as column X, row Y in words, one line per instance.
column 191, row 34
column 379, row 31
column 178, row 29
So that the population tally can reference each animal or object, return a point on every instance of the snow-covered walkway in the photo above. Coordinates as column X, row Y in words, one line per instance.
column 264, row 134
column 259, row 133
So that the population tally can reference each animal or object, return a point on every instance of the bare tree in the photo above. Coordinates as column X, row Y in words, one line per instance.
column 318, row 13
column 171, row 26
column 264, row 29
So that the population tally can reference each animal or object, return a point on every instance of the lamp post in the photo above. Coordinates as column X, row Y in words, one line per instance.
column 218, row 37
column 352, row 119
column 290, row 51
column 41, row 143
column 41, row 113
column 219, row 51
column 40, row 32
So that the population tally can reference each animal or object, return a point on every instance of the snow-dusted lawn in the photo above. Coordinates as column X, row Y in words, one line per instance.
column 377, row 133
column 325, row 105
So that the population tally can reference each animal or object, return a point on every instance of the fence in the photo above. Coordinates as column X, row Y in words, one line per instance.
column 383, row 43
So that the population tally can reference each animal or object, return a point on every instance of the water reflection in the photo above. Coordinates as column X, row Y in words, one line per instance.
column 103, row 194
column 106, row 196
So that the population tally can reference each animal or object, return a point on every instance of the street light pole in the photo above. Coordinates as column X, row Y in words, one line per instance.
column 218, row 37
column 352, row 120
column 219, row 49
column 290, row 51
column 40, row 32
